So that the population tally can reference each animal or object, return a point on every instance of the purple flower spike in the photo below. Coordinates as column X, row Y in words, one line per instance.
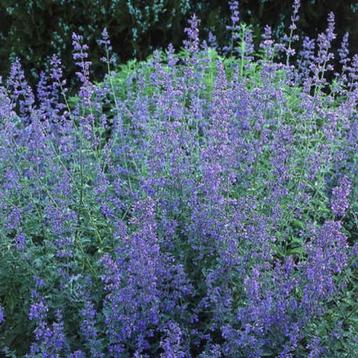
column 340, row 197
column 2, row 315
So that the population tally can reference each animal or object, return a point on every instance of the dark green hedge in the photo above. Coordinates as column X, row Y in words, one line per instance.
column 34, row 29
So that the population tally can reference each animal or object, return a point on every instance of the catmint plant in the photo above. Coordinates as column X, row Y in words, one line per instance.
column 198, row 204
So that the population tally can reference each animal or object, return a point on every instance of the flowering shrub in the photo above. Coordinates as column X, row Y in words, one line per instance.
column 198, row 207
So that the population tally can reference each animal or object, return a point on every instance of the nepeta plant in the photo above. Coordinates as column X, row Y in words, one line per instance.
column 194, row 206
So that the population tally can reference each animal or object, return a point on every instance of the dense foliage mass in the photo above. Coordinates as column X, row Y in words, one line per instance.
column 189, row 206
column 33, row 29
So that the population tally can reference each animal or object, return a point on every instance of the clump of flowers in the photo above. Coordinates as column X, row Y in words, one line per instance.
column 183, row 209
column 340, row 197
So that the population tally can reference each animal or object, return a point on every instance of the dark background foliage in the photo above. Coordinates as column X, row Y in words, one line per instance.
column 35, row 29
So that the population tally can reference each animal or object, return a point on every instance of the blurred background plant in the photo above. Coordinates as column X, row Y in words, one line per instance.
column 35, row 29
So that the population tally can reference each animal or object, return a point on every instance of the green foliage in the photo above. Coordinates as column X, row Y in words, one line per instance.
column 35, row 29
